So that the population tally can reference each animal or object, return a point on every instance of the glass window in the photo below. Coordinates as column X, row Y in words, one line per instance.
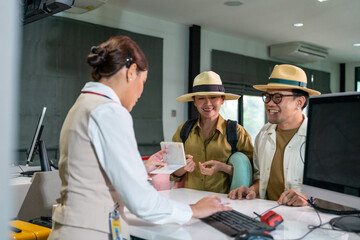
column 357, row 79
column 253, row 115
column 229, row 110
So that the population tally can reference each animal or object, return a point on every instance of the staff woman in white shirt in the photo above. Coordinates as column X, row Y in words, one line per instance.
column 100, row 165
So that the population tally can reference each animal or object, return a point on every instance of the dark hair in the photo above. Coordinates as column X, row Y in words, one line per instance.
column 110, row 56
column 299, row 92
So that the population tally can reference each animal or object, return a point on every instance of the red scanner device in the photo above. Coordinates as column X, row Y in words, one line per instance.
column 271, row 218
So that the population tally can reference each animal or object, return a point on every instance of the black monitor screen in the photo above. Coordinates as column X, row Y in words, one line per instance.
column 332, row 156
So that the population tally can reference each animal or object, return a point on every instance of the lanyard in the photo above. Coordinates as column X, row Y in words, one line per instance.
column 97, row 94
column 115, row 225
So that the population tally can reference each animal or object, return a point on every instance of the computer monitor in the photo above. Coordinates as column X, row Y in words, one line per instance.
column 38, row 146
column 332, row 153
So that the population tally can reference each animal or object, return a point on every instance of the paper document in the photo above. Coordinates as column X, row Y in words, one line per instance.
column 175, row 157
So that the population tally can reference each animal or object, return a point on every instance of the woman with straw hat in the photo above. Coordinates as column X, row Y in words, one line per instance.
column 207, row 147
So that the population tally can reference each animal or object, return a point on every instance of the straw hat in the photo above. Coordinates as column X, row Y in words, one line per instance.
column 287, row 77
column 207, row 83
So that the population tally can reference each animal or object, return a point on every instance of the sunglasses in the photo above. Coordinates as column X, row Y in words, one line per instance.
column 276, row 98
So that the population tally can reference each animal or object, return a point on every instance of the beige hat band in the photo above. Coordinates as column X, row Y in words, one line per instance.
column 208, row 88
column 288, row 82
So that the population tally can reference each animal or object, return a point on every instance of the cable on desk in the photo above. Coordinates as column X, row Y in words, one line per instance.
column 259, row 215
column 22, row 170
column 310, row 227
column 301, row 157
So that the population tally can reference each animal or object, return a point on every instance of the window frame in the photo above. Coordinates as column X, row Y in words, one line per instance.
column 357, row 79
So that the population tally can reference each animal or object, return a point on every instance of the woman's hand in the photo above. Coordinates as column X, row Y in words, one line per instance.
column 189, row 167
column 190, row 164
column 155, row 161
column 208, row 206
column 211, row 167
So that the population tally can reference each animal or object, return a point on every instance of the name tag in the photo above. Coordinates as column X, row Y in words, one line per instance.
column 115, row 226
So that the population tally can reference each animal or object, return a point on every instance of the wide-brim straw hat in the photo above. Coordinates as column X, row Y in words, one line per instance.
column 287, row 77
column 207, row 83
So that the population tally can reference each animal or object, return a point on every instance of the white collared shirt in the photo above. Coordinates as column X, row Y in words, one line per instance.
column 294, row 153
column 112, row 135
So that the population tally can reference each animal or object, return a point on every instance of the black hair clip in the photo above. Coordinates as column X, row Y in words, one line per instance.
column 128, row 60
column 94, row 49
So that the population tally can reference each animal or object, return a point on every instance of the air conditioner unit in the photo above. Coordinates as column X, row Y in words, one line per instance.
column 35, row 10
column 298, row 52
column 82, row 6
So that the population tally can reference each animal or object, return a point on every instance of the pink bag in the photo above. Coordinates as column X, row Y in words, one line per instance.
column 180, row 184
column 161, row 181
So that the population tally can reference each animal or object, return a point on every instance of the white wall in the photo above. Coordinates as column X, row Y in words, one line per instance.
column 332, row 68
column 175, row 55
column 9, row 40
column 212, row 40
column 350, row 76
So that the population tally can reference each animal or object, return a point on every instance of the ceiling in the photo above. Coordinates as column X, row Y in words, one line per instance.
column 334, row 24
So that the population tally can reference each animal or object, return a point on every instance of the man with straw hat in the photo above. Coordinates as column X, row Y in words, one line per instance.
column 206, row 146
column 280, row 144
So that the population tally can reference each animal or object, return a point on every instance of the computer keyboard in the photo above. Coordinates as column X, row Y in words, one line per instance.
column 232, row 222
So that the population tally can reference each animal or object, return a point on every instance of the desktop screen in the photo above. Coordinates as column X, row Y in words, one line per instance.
column 36, row 137
column 332, row 154
column 38, row 147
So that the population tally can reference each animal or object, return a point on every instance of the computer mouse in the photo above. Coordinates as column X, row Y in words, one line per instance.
column 253, row 235
column 271, row 218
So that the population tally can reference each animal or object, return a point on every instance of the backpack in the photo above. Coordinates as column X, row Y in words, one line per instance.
column 231, row 132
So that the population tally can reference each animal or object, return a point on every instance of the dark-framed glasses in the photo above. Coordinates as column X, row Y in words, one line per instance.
column 276, row 98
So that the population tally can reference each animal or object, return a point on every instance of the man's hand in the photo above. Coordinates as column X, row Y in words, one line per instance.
column 208, row 206
column 293, row 198
column 242, row 192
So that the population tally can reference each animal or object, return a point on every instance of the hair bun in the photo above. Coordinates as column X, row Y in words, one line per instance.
column 97, row 56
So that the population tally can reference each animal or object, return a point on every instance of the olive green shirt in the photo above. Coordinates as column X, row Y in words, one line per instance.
column 216, row 147
column 276, row 183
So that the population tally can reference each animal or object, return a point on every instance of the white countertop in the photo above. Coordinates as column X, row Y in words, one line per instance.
column 295, row 224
